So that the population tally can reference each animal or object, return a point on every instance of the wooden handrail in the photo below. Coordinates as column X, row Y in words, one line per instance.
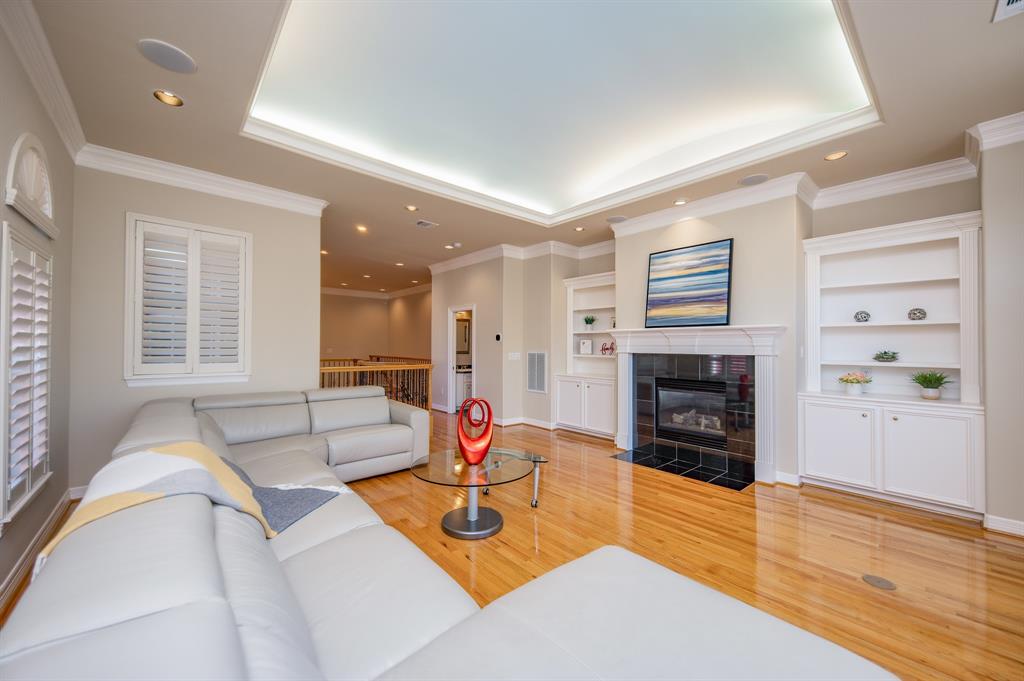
column 399, row 358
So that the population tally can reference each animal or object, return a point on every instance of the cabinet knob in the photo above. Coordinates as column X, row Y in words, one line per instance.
column 864, row 415
column 895, row 418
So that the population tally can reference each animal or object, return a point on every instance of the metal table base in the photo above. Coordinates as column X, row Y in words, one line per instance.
column 472, row 521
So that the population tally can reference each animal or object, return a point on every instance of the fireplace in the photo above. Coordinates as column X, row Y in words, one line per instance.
column 688, row 411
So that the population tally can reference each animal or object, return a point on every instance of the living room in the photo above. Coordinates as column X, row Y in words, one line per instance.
column 512, row 340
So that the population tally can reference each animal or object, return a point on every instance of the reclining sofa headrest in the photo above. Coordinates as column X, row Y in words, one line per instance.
column 248, row 400
column 324, row 394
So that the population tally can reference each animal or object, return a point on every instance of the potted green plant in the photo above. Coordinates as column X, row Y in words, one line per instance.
column 886, row 356
column 588, row 322
column 854, row 382
column 931, row 383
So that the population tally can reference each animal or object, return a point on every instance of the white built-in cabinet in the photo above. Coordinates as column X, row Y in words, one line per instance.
column 585, row 395
column 889, row 442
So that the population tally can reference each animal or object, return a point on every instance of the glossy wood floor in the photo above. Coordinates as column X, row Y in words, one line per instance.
column 957, row 612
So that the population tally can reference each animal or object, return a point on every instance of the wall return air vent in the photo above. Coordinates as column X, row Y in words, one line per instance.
column 1007, row 8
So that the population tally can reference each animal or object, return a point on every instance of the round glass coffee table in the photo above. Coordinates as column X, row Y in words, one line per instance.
column 499, row 467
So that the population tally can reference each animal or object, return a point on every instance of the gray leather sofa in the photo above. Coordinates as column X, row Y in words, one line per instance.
column 180, row 589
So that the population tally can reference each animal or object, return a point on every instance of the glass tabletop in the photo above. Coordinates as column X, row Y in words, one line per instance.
column 500, row 466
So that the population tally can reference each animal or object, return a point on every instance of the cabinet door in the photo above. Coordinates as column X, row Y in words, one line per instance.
column 570, row 401
column 599, row 406
column 928, row 456
column 839, row 443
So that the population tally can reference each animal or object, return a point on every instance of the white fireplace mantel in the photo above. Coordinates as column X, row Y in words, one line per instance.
column 754, row 339
column 759, row 340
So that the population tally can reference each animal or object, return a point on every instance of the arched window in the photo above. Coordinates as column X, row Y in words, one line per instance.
column 28, row 188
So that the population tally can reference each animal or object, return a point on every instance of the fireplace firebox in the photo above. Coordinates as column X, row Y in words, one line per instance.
column 693, row 412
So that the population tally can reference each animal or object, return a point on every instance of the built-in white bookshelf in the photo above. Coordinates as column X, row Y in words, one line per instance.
column 590, row 295
column 886, row 271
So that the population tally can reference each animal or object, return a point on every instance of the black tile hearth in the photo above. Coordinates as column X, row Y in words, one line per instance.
column 714, row 476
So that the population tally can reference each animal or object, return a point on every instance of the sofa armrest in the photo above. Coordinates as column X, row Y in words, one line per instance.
column 417, row 419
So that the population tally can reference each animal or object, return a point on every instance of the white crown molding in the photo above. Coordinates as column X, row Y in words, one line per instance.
column 378, row 295
column 928, row 229
column 23, row 29
column 999, row 132
column 799, row 139
column 935, row 174
column 795, row 184
column 153, row 170
column 525, row 253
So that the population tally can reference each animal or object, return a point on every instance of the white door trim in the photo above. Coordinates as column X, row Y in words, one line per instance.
column 450, row 368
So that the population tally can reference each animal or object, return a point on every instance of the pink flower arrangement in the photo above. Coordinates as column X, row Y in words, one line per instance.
column 855, row 377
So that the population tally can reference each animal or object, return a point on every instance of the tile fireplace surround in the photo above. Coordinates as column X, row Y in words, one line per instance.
column 757, row 345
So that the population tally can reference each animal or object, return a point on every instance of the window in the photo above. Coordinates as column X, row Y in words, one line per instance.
column 188, row 309
column 25, row 323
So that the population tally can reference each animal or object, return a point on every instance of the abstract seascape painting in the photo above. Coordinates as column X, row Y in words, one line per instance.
column 690, row 286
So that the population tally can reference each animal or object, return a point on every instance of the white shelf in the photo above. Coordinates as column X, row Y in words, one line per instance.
column 894, row 282
column 589, row 309
column 606, row 332
column 578, row 356
column 872, row 397
column 873, row 363
column 906, row 322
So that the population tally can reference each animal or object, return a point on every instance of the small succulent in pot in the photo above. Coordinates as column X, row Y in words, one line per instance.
column 931, row 383
column 589, row 320
column 854, row 381
column 887, row 356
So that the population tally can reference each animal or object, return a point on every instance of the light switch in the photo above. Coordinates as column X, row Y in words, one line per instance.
column 513, row 356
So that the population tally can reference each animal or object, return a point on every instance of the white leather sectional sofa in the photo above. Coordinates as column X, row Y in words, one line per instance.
column 181, row 589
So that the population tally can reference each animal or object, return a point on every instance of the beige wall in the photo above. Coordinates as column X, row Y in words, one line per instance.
column 23, row 112
column 596, row 265
column 1002, row 234
column 480, row 285
column 513, row 358
column 946, row 199
column 286, row 291
column 352, row 326
column 765, row 287
column 409, row 325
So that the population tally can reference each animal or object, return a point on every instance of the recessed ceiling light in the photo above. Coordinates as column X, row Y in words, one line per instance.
column 751, row 180
column 167, row 55
column 415, row 281
column 449, row 246
column 579, row 229
column 366, row 276
column 411, row 208
column 457, row 244
column 323, row 252
column 382, row 290
column 361, row 228
column 344, row 284
column 836, row 155
column 168, row 98
column 399, row 264
column 615, row 219
column 679, row 202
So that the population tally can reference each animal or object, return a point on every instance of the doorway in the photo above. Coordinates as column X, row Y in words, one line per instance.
column 461, row 354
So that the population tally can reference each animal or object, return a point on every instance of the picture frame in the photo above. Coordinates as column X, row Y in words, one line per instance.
column 690, row 285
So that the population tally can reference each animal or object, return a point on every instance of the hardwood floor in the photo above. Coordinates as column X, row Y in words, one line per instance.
column 800, row 554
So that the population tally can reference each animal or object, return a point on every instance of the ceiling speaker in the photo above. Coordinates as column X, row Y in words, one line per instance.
column 167, row 56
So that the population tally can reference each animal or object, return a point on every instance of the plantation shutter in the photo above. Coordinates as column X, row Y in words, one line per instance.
column 29, row 275
column 221, row 303
column 161, row 300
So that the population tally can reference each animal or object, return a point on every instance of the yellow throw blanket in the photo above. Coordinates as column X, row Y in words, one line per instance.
column 180, row 468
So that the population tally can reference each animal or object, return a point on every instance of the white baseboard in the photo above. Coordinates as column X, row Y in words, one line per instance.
column 76, row 493
column 511, row 421
column 440, row 407
column 546, row 425
column 787, row 478
column 1007, row 525
column 28, row 557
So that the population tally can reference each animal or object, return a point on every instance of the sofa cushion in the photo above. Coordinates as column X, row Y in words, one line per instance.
column 367, row 442
column 271, row 625
column 213, row 436
column 251, row 451
column 297, row 467
column 252, row 424
column 680, row 629
column 338, row 408
column 269, row 399
column 153, row 432
column 164, row 408
column 372, row 598
column 343, row 513
column 104, row 572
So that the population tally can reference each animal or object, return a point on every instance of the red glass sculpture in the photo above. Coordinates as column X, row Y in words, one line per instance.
column 474, row 448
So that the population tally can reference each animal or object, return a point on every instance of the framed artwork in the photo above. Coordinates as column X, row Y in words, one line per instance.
column 690, row 286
